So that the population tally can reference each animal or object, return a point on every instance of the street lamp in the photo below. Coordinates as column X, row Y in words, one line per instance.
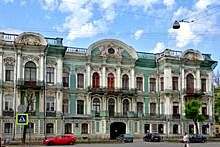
column 176, row 24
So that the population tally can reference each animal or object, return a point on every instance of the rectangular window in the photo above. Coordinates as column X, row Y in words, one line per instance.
column 50, row 75
column 8, row 128
column 154, row 128
column 80, row 107
column 65, row 106
column 135, row 127
column 50, row 104
column 139, row 82
column 65, row 79
column 152, row 109
column 97, row 126
column 80, row 80
column 140, row 107
column 175, row 83
column 152, row 84
column 203, row 85
column 161, row 84
column 204, row 110
column 9, row 73
column 8, row 104
column 30, row 128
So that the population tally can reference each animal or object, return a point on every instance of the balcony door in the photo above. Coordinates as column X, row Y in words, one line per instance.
column 189, row 84
column 111, row 107
column 111, row 82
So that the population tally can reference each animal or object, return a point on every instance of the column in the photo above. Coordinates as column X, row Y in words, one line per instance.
column 183, row 79
column 198, row 80
column 103, row 76
column 88, row 70
column 59, row 70
column 1, row 102
column 209, row 82
column 167, row 78
column 41, row 67
column 88, row 104
column 1, row 67
column 19, row 66
column 72, row 104
column 118, row 77
column 132, row 78
column 59, row 101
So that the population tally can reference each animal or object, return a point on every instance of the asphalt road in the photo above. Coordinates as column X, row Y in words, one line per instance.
column 135, row 144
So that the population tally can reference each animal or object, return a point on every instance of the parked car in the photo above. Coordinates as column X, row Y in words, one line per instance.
column 60, row 140
column 197, row 138
column 125, row 138
column 152, row 137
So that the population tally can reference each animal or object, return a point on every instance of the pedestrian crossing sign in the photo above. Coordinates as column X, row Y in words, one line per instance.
column 21, row 119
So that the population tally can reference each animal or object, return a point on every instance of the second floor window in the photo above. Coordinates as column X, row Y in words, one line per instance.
column 175, row 83
column 175, row 108
column 161, row 84
column 139, row 83
column 50, row 75
column 65, row 106
column 50, row 104
column 65, row 79
column 152, row 108
column 95, row 80
column 9, row 73
column 189, row 83
column 30, row 71
column 8, row 104
column 140, row 107
column 80, row 80
column 125, row 82
column 80, row 107
column 152, row 84
column 111, row 82
column 204, row 110
column 96, row 105
column 203, row 85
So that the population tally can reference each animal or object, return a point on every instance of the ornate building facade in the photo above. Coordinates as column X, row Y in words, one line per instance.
column 102, row 91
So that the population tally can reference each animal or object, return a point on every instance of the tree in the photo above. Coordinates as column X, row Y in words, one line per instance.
column 216, row 78
column 192, row 111
column 217, row 106
column 29, row 99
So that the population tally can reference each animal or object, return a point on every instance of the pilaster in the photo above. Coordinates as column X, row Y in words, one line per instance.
column 118, row 77
column 88, row 70
column 103, row 78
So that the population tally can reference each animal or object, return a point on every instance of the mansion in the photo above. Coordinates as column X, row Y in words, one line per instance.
column 101, row 91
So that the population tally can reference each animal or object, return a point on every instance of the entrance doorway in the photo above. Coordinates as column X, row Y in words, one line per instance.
column 116, row 129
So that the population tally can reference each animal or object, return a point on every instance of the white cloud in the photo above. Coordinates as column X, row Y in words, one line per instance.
column 158, row 48
column 147, row 4
column 194, row 32
column 49, row 4
column 138, row 34
column 168, row 3
column 203, row 4
column 10, row 30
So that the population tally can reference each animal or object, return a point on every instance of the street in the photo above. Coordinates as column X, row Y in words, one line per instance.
column 137, row 144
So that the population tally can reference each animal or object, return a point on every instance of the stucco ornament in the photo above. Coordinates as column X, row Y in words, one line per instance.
column 9, row 60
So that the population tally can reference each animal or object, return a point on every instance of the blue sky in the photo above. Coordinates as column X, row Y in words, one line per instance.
column 146, row 25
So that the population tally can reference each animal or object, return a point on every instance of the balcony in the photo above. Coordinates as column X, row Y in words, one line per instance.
column 8, row 113
column 32, row 113
column 21, row 83
column 176, row 116
column 193, row 91
column 51, row 113
column 103, row 90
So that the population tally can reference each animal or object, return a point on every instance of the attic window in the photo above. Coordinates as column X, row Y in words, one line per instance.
column 111, row 51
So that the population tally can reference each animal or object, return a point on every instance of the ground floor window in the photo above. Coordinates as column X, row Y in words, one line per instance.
column 204, row 129
column 68, row 128
column 8, row 127
column 191, row 129
column 49, row 128
column 175, row 129
column 146, row 128
column 154, row 127
column 160, row 129
column 84, row 128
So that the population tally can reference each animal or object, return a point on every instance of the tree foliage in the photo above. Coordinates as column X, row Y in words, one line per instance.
column 217, row 107
column 192, row 111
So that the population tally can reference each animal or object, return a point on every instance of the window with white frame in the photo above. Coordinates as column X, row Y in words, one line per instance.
column 9, row 72
column 8, row 103
column 30, row 71
column 50, row 75
column 50, row 104
column 139, row 83
column 8, row 127
column 65, row 79
column 80, row 80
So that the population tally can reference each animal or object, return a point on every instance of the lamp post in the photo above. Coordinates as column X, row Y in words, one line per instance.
column 176, row 24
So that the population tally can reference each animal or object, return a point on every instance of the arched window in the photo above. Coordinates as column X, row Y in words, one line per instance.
column 189, row 84
column 96, row 105
column 111, row 106
column 111, row 82
column 125, row 106
column 95, row 80
column 125, row 82
column 49, row 128
column 30, row 71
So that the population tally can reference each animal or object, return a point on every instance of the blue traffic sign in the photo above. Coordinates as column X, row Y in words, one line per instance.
column 21, row 119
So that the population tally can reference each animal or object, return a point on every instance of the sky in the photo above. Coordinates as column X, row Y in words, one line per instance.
column 146, row 25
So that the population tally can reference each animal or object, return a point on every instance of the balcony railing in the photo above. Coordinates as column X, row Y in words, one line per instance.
column 29, row 84
column 176, row 116
column 51, row 113
column 193, row 91
column 8, row 113
column 111, row 90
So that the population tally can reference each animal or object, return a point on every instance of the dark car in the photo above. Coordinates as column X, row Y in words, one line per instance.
column 152, row 137
column 197, row 138
column 125, row 138
column 60, row 140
